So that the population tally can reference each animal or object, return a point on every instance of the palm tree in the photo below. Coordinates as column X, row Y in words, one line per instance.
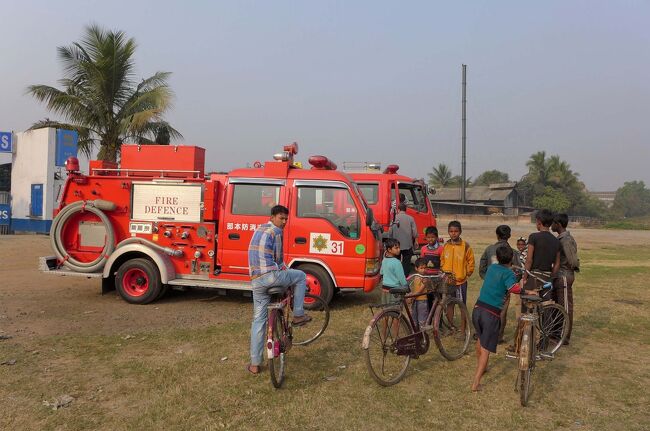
column 441, row 176
column 100, row 98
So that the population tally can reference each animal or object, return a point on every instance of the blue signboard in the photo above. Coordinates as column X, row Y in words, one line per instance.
column 6, row 142
column 5, row 214
column 66, row 145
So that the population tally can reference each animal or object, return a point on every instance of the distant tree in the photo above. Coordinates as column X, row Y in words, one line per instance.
column 441, row 176
column 100, row 98
column 633, row 199
column 552, row 199
column 491, row 177
column 456, row 181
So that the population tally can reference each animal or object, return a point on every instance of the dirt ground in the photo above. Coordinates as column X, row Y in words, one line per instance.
column 180, row 360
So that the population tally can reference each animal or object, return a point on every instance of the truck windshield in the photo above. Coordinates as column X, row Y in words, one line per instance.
column 332, row 204
column 415, row 196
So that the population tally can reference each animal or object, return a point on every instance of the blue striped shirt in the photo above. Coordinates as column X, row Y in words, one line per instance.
column 265, row 250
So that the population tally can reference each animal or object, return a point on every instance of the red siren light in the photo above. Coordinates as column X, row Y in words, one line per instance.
column 72, row 164
column 391, row 169
column 322, row 162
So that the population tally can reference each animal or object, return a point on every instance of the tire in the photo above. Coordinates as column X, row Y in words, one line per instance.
column 320, row 314
column 524, row 386
column 138, row 281
column 450, row 337
column 318, row 282
column 277, row 364
column 553, row 328
column 382, row 360
column 526, row 364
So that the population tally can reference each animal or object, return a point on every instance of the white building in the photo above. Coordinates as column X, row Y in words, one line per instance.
column 36, row 180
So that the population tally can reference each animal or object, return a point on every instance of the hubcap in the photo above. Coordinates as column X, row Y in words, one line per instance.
column 313, row 287
column 135, row 282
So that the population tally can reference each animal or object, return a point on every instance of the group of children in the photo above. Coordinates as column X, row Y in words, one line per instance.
column 454, row 256
column 544, row 254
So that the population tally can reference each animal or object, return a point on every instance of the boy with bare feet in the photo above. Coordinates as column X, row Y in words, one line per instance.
column 486, row 317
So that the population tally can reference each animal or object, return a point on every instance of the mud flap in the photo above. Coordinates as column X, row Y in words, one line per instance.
column 108, row 285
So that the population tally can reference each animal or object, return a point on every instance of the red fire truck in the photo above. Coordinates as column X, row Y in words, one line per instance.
column 381, row 188
column 157, row 222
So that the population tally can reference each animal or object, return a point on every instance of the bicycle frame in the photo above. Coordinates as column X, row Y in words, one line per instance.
column 416, row 343
column 283, row 306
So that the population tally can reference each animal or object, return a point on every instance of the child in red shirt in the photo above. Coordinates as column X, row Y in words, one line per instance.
column 431, row 251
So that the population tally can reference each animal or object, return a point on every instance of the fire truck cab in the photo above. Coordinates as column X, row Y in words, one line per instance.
column 381, row 189
column 158, row 222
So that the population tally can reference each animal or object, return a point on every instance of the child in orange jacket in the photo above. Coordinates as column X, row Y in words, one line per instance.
column 458, row 258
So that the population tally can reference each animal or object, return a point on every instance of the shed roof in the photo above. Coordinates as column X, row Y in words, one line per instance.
column 477, row 194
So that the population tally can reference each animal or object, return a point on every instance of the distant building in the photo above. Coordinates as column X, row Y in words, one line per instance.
column 493, row 199
column 605, row 197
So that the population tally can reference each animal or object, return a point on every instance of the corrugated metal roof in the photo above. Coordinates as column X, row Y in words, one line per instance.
column 476, row 194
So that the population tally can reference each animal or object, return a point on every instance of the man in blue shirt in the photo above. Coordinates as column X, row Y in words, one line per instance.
column 486, row 317
column 267, row 269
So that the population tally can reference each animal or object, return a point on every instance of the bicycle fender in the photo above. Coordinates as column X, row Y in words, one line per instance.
column 523, row 353
column 365, row 343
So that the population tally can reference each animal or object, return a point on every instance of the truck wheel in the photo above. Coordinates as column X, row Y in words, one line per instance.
column 138, row 281
column 318, row 282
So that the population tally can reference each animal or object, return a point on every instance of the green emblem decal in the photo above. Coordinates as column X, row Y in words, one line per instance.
column 320, row 243
column 360, row 248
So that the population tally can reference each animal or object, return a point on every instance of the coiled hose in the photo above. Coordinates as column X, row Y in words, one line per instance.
column 96, row 207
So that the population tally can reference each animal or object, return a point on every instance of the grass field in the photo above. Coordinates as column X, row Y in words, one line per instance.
column 178, row 374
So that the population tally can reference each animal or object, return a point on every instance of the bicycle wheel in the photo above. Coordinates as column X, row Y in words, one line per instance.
column 553, row 328
column 451, row 328
column 320, row 315
column 526, row 364
column 277, row 363
column 382, row 360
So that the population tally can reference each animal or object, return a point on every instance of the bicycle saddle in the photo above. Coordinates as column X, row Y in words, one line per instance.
column 531, row 298
column 276, row 290
column 400, row 290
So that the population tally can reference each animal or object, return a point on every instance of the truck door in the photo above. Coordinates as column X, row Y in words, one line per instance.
column 248, row 205
column 417, row 206
column 325, row 225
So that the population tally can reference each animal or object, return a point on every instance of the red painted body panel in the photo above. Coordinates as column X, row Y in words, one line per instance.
column 215, row 247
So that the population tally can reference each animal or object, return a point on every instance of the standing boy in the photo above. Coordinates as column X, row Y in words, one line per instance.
column 569, row 265
column 543, row 252
column 391, row 271
column 499, row 281
column 431, row 251
column 489, row 257
column 419, row 304
column 405, row 231
column 457, row 258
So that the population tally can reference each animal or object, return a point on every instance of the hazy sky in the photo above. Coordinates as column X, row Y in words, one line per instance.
column 373, row 80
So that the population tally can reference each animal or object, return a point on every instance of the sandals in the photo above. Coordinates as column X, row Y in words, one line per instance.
column 249, row 368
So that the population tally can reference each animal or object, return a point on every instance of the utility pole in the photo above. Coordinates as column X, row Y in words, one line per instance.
column 464, row 138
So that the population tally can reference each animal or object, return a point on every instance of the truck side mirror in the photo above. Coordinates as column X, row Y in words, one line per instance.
column 369, row 218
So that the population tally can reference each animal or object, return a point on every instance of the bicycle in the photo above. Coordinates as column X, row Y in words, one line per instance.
column 282, row 335
column 393, row 337
column 542, row 330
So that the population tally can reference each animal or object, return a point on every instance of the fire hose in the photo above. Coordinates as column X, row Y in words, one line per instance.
column 96, row 207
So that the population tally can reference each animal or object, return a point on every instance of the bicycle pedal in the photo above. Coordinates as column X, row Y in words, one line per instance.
column 511, row 355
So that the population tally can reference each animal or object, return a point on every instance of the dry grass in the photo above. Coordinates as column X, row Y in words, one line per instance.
column 171, row 376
